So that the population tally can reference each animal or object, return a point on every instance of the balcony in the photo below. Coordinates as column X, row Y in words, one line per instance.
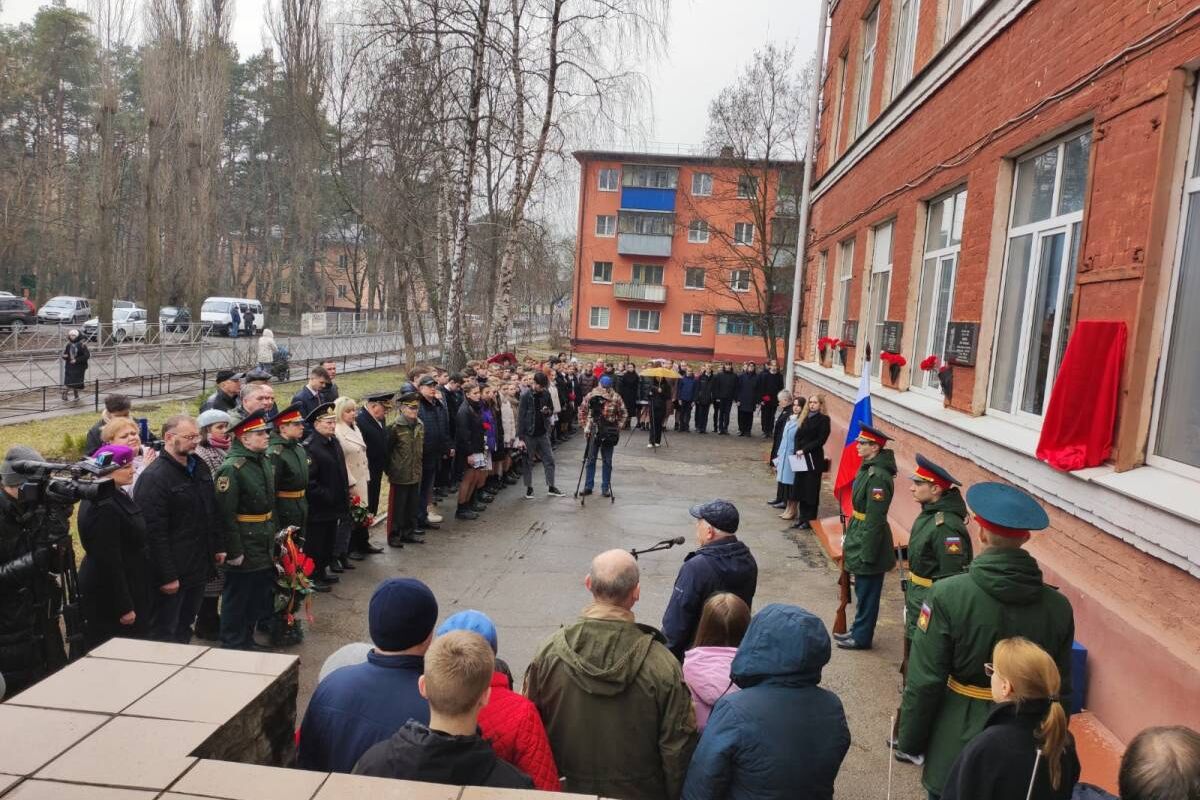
column 643, row 244
column 640, row 292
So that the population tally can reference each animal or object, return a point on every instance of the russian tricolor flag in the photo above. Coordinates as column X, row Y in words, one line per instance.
column 850, row 461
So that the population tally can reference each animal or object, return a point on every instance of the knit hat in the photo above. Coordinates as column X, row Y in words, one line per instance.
column 8, row 475
column 402, row 614
column 473, row 621
column 118, row 454
column 211, row 417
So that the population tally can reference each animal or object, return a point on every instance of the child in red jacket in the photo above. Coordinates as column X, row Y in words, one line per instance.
column 510, row 722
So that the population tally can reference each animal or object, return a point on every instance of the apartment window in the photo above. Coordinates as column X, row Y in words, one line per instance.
column 943, row 241
column 648, row 273
column 907, row 14
column 647, row 223
column 957, row 14
column 693, row 278
column 606, row 225
column 736, row 325
column 739, row 280
column 342, row 291
column 701, row 184
column 866, row 69
column 343, row 261
column 881, row 285
column 698, row 232
column 609, row 179
column 598, row 318
column 1039, row 275
column 747, row 186
column 819, row 305
column 601, row 272
column 743, row 233
column 836, row 135
column 641, row 319
column 1175, row 430
column 841, row 299
column 650, row 177
column 691, row 324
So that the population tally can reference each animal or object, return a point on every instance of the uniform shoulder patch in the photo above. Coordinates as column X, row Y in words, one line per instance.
column 940, row 519
column 923, row 619
column 222, row 483
column 953, row 545
column 871, row 471
column 877, row 493
column 238, row 462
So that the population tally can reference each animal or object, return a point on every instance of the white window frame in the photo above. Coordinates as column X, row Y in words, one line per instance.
column 695, row 316
column 958, row 14
column 1069, row 225
column 608, row 186
column 610, row 272
column 1190, row 195
column 639, row 271
column 845, row 279
column 593, row 322
column 879, row 296
column 836, row 136
column 609, row 230
column 943, row 258
column 739, row 234
column 651, row 314
column 819, row 305
column 908, row 15
column 704, row 182
column 866, row 72
column 689, row 287
column 698, row 232
column 739, row 280
column 747, row 187
column 723, row 325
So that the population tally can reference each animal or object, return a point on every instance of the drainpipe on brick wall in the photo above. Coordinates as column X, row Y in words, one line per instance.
column 806, row 196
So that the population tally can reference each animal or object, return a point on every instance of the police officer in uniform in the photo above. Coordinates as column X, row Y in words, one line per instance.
column 867, row 551
column 938, row 547
column 245, row 487
column 291, row 472
column 328, row 492
column 946, row 698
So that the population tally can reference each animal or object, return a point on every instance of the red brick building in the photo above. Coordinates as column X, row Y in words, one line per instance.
column 989, row 174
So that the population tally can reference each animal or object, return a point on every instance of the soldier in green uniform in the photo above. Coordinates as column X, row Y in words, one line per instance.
column 867, row 551
column 938, row 547
column 245, row 488
column 291, row 469
column 946, row 696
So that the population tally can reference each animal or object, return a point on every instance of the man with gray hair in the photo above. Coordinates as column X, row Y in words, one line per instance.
column 1161, row 764
column 254, row 397
column 611, row 695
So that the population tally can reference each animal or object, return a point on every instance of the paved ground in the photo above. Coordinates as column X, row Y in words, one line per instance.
column 523, row 563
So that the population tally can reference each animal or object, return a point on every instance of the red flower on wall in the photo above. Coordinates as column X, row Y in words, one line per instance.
column 929, row 363
column 895, row 359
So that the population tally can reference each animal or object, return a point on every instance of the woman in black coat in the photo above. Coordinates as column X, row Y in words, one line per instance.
column 628, row 385
column 704, row 398
column 114, row 578
column 810, row 440
column 75, row 363
column 659, row 397
column 328, row 493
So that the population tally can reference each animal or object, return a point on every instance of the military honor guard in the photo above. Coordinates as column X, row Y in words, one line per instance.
column 947, row 695
column 291, row 469
column 405, row 444
column 245, row 490
column 328, row 492
column 867, row 551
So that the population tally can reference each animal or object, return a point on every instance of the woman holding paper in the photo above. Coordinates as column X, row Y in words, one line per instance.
column 809, row 461
column 784, row 474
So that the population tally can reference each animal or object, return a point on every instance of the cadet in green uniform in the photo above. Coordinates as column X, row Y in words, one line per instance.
column 938, row 547
column 245, row 487
column 291, row 469
column 946, row 696
column 867, row 551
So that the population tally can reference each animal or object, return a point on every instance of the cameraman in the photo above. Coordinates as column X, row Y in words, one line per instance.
column 602, row 415
column 31, row 645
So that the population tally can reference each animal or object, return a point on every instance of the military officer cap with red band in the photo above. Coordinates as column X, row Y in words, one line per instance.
column 1006, row 510
column 931, row 473
column 866, row 433
column 290, row 414
column 251, row 423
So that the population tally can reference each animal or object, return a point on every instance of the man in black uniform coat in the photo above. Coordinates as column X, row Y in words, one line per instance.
column 372, row 423
column 328, row 490
column 770, row 384
column 724, row 388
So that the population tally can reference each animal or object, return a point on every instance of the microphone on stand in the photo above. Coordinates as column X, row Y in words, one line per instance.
column 665, row 544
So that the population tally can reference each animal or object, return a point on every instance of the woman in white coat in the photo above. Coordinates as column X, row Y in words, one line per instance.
column 266, row 349
column 354, row 447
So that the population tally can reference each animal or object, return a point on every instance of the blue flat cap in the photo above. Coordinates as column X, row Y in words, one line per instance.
column 1007, row 506
column 929, row 471
column 721, row 514
column 473, row 621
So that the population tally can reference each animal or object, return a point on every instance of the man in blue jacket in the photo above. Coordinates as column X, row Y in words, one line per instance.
column 747, row 399
column 359, row 705
column 685, row 395
column 722, row 564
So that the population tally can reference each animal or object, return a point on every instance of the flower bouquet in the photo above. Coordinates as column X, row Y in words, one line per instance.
column 360, row 514
column 894, row 361
column 293, row 587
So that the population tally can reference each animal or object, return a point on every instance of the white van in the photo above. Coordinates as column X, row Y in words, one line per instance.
column 215, row 314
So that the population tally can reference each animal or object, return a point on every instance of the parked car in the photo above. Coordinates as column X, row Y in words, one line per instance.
column 215, row 316
column 128, row 323
column 65, row 310
column 14, row 314
column 174, row 318
column 124, row 304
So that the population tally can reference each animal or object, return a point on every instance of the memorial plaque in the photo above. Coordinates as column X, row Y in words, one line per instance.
column 850, row 333
column 962, row 340
column 892, row 331
column 822, row 328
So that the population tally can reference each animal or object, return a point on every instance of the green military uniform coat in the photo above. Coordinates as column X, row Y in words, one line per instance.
column 938, row 547
column 868, row 548
column 405, row 444
column 245, row 484
column 291, row 475
column 1001, row 595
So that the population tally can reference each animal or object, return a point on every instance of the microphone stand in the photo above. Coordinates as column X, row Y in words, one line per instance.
column 665, row 544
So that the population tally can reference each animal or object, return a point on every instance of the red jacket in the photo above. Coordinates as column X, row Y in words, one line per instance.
column 512, row 724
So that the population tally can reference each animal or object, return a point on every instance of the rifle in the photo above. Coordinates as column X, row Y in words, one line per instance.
column 839, row 620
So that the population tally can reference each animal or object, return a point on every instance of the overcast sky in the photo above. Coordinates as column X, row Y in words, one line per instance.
column 709, row 42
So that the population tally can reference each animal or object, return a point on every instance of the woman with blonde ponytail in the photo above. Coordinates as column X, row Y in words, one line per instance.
column 1024, row 750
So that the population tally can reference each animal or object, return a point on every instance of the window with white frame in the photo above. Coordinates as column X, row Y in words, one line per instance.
column 880, row 289
column 643, row 319
column 1039, row 275
column 698, row 232
column 601, row 272
column 701, row 184
column 747, row 186
column 606, row 225
column 935, row 295
column 609, row 179
column 598, row 317
column 343, row 291
column 691, row 323
column 1176, row 428
column 648, row 273
column 743, row 233
column 841, row 297
column 739, row 280
column 647, row 223
column 693, row 278
column 866, row 70
column 650, row 176
column 736, row 325
column 907, row 14
column 957, row 14
column 835, row 138
column 819, row 305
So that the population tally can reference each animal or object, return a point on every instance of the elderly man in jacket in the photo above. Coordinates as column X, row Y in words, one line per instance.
column 406, row 444
column 372, row 422
column 619, row 717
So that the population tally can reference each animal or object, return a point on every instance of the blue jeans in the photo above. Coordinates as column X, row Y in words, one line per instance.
column 605, row 452
column 245, row 600
column 867, row 589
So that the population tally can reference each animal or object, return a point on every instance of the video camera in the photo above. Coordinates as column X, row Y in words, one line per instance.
column 65, row 484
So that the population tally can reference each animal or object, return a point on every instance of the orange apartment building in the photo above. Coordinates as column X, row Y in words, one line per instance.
column 671, row 261
column 991, row 174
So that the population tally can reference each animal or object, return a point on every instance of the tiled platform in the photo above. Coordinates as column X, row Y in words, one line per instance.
column 125, row 723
